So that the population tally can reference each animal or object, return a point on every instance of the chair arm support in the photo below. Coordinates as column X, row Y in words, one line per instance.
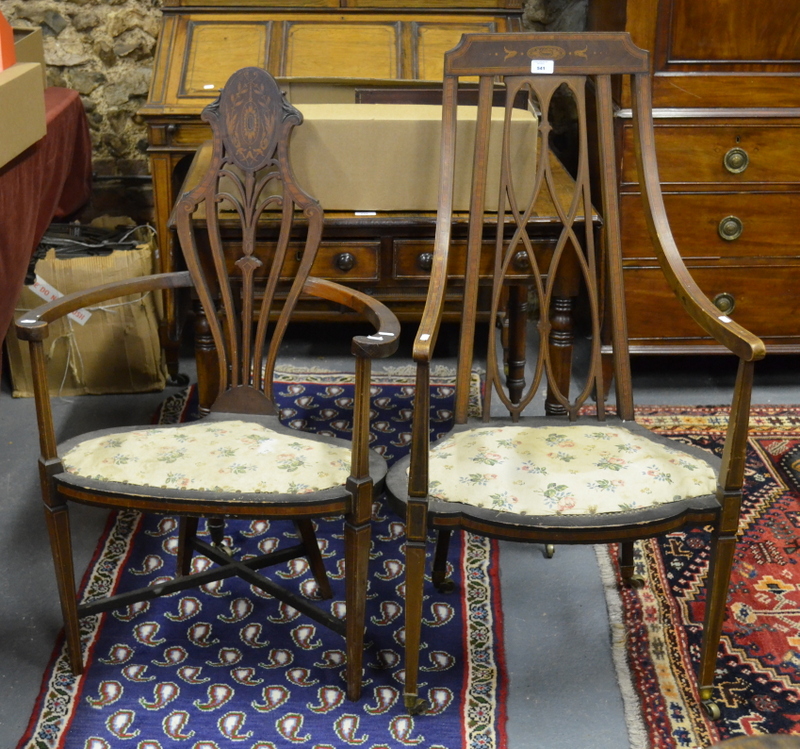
column 378, row 346
column 33, row 326
column 723, row 329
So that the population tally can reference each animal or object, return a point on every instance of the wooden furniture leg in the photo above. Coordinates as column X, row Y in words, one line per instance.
column 205, row 356
column 517, row 342
column 566, row 286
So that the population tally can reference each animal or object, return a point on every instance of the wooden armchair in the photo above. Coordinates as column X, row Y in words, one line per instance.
column 593, row 475
column 251, row 124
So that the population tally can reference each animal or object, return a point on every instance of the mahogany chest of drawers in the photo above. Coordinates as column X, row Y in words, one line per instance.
column 726, row 81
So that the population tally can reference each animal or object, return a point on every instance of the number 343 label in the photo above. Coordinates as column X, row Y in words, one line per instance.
column 542, row 67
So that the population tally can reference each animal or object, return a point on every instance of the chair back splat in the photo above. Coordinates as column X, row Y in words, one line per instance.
column 563, row 463
column 250, row 175
column 579, row 256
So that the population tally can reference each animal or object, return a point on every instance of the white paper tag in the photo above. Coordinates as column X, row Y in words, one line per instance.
column 543, row 67
column 48, row 293
column 365, row 213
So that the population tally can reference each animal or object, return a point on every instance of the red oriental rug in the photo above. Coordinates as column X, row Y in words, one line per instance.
column 656, row 629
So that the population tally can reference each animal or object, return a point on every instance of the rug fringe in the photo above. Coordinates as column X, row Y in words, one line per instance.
column 637, row 733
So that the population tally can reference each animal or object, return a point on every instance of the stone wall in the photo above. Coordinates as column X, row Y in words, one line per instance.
column 104, row 49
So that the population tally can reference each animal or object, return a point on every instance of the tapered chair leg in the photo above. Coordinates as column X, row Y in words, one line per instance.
column 439, row 573
column 61, row 547
column 415, row 578
column 314, row 556
column 718, row 582
column 187, row 530
column 356, row 543
column 416, row 537
column 626, row 566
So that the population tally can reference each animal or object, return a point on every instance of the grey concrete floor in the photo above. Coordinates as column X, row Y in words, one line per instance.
column 563, row 685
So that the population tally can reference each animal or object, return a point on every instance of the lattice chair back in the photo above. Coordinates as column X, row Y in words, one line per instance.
column 579, row 257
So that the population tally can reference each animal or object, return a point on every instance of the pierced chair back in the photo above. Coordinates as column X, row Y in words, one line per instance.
column 543, row 477
column 249, row 176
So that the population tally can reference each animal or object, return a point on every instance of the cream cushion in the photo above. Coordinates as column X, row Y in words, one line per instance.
column 574, row 470
column 215, row 456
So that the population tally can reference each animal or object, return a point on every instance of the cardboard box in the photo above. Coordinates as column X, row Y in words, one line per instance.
column 385, row 157
column 111, row 348
column 22, row 111
column 29, row 46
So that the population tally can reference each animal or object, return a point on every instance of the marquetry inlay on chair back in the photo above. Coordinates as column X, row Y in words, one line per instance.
column 249, row 176
column 583, row 252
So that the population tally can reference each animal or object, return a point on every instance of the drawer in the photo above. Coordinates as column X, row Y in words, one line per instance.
column 412, row 259
column 187, row 135
column 336, row 261
column 765, row 298
column 698, row 154
column 766, row 223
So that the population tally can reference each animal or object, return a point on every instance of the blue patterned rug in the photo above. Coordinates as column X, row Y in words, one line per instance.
column 226, row 666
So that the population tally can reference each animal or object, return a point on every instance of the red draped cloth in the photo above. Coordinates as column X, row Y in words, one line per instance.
column 51, row 179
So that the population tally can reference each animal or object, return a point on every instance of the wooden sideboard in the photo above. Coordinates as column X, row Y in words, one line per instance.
column 328, row 48
column 726, row 89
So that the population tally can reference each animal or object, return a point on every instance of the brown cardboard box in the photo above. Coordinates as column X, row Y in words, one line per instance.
column 116, row 350
column 22, row 113
column 30, row 48
column 385, row 157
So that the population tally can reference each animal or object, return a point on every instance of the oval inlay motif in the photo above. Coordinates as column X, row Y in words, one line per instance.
column 548, row 52
column 252, row 100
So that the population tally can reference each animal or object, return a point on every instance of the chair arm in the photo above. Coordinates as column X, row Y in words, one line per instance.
column 378, row 346
column 722, row 328
column 33, row 325
column 428, row 331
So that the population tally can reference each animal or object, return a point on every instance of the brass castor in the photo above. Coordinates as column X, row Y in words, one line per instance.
column 635, row 581
column 446, row 585
column 549, row 551
column 416, row 705
column 712, row 709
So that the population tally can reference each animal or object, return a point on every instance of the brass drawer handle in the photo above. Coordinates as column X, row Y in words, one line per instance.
column 521, row 261
column 425, row 260
column 730, row 228
column 725, row 303
column 345, row 261
column 736, row 160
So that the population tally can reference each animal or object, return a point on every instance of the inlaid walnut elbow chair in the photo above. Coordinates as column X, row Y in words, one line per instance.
column 251, row 124
column 593, row 475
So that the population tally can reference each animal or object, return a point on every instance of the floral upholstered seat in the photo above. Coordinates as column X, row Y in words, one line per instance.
column 216, row 456
column 550, row 471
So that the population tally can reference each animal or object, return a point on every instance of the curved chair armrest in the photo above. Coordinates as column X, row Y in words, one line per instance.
column 428, row 330
column 378, row 346
column 722, row 328
column 33, row 325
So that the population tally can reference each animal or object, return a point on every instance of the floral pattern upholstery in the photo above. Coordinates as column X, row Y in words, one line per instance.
column 563, row 471
column 218, row 456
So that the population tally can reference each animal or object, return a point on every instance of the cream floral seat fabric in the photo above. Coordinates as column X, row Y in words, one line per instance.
column 218, row 456
column 550, row 471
